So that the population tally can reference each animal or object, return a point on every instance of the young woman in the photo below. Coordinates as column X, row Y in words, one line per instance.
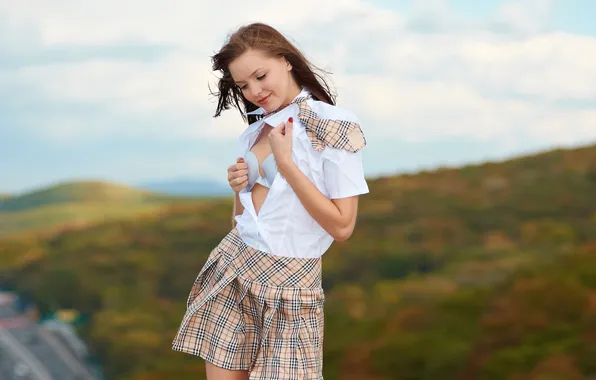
column 256, row 308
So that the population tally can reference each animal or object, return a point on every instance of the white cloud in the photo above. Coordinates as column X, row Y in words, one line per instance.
column 523, row 16
column 175, row 81
column 414, row 77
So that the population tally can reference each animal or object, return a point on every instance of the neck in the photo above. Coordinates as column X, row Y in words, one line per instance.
column 292, row 94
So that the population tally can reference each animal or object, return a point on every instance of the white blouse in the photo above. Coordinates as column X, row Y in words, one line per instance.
column 283, row 226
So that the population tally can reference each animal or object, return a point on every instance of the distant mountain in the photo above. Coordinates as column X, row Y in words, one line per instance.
column 71, row 192
column 188, row 187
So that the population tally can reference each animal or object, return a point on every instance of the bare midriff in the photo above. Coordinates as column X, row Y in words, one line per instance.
column 259, row 193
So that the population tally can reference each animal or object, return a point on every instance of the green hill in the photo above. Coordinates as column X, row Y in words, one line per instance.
column 67, row 215
column 484, row 272
column 90, row 191
column 77, row 203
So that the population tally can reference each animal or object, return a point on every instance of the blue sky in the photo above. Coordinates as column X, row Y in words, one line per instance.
column 120, row 94
column 573, row 16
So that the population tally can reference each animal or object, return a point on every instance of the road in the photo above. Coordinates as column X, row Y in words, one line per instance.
column 28, row 349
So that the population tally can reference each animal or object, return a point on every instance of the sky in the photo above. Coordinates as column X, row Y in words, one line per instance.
column 118, row 91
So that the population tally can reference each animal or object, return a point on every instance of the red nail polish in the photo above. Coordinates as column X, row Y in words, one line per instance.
column 290, row 120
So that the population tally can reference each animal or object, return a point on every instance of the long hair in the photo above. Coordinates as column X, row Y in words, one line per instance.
column 259, row 36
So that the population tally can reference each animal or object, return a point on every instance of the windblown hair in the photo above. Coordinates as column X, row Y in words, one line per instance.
column 262, row 37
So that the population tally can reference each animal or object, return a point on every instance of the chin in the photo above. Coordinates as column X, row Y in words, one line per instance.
column 270, row 107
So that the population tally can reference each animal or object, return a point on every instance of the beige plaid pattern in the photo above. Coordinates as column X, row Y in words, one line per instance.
column 339, row 134
column 249, row 310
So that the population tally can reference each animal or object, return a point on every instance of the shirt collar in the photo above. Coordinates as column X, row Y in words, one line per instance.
column 255, row 127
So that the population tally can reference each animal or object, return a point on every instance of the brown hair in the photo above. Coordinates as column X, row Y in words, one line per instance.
column 263, row 37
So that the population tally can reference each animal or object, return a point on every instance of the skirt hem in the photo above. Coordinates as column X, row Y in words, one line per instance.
column 206, row 357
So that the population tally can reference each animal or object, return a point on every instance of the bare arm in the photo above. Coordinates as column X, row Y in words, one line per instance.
column 337, row 216
column 238, row 209
column 238, row 179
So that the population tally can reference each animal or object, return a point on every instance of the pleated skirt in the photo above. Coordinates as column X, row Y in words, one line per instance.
column 250, row 310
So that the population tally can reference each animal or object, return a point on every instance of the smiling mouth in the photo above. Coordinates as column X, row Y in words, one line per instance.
column 264, row 100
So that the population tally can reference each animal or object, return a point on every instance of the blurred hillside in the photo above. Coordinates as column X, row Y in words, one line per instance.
column 91, row 191
column 78, row 203
column 481, row 272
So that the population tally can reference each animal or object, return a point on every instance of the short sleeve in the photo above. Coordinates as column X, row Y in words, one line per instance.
column 343, row 173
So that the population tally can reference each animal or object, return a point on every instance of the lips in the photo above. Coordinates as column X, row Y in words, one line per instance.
column 264, row 100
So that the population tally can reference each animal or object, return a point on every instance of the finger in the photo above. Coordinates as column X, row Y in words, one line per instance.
column 240, row 160
column 241, row 166
column 288, row 126
column 277, row 131
column 240, row 180
column 240, row 173
column 242, row 185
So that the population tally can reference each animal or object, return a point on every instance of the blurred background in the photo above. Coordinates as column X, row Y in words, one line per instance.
column 474, row 256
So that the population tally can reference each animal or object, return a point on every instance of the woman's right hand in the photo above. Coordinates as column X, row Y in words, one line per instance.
column 238, row 175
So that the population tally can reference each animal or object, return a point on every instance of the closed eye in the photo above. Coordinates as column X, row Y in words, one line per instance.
column 258, row 78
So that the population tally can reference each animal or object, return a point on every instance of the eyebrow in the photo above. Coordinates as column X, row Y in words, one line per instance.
column 250, row 75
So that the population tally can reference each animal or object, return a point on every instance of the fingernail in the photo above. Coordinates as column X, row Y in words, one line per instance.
column 290, row 120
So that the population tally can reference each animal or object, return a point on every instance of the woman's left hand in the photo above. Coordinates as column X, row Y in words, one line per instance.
column 280, row 139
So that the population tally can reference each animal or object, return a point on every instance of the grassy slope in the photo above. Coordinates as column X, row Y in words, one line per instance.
column 70, row 214
column 484, row 272
column 77, row 203
column 91, row 191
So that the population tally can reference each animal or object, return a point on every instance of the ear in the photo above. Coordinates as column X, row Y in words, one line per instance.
column 288, row 64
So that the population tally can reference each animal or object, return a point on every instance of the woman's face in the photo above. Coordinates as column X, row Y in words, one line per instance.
column 265, row 81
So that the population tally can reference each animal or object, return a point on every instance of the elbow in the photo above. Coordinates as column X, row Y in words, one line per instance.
column 344, row 226
column 343, row 234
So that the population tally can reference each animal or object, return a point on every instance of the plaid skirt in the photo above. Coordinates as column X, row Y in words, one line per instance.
column 250, row 310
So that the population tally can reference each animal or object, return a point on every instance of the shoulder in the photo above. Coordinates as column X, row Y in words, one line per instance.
column 344, row 132
column 334, row 112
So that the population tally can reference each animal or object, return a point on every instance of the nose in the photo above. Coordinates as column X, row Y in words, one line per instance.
column 255, row 90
